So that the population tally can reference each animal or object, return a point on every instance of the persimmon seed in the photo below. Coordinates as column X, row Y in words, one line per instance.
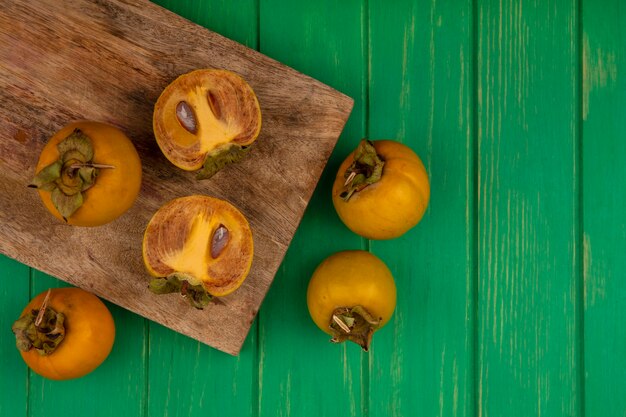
column 215, row 108
column 186, row 117
column 219, row 241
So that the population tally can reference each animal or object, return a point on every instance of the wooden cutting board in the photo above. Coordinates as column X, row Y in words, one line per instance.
column 109, row 60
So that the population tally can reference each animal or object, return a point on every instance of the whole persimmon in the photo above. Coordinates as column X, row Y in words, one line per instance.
column 381, row 190
column 64, row 333
column 88, row 174
column 351, row 295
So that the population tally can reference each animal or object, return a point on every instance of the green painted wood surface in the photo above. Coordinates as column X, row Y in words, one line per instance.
column 420, row 94
column 510, row 290
column 306, row 375
column 528, row 301
column 14, row 375
column 603, row 44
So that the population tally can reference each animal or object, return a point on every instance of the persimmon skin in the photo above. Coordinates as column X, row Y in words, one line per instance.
column 392, row 206
column 348, row 279
column 115, row 190
column 89, row 336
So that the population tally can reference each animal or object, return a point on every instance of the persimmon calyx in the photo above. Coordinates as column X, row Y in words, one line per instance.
column 219, row 158
column 44, row 337
column 72, row 174
column 366, row 169
column 178, row 282
column 355, row 324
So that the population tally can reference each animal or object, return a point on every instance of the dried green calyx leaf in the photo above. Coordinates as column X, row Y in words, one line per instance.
column 72, row 174
column 44, row 337
column 218, row 159
column 366, row 169
column 65, row 203
column 78, row 142
column 46, row 178
column 179, row 282
column 355, row 324
column 88, row 176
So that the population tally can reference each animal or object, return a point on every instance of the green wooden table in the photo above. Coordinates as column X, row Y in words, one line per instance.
column 510, row 290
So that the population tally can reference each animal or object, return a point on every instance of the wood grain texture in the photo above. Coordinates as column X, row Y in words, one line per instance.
column 528, row 266
column 421, row 95
column 306, row 374
column 188, row 378
column 108, row 61
column 604, row 200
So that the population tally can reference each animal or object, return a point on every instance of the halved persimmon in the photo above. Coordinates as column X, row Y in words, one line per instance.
column 199, row 246
column 206, row 119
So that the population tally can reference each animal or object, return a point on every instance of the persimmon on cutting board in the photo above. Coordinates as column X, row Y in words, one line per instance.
column 88, row 174
column 199, row 246
column 206, row 119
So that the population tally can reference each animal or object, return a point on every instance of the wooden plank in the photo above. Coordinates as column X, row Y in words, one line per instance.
column 300, row 372
column 421, row 94
column 117, row 386
column 528, row 265
column 234, row 19
column 604, row 199
column 14, row 295
column 186, row 378
column 110, row 60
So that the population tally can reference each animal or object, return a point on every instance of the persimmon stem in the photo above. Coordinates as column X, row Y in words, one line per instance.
column 355, row 324
column 184, row 287
column 90, row 165
column 350, row 178
column 341, row 324
column 42, row 330
column 365, row 170
column 42, row 309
